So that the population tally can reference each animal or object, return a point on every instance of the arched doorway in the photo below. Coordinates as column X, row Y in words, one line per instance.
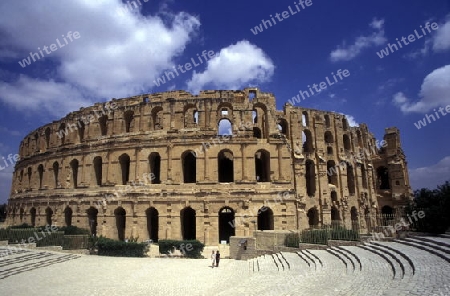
column 335, row 216
column 188, row 223
column 225, row 165
column 68, row 216
column 152, row 223
column 48, row 216
column 189, row 165
column 265, row 219
column 33, row 217
column 226, row 223
column 92, row 219
column 387, row 216
column 313, row 217
column 121, row 217
column 354, row 218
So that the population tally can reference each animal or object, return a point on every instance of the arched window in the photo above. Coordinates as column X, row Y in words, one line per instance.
column 124, row 161
column 48, row 216
column 359, row 137
column 98, row 170
column 152, row 223
column 313, row 217
column 383, row 178
column 310, row 177
column 344, row 124
column 29, row 171
column 74, row 167
column 92, row 219
column 154, row 161
column 128, row 118
column 305, row 119
column 103, row 122
column 335, row 216
column 47, row 137
column 121, row 217
column 350, row 179
column 41, row 175
column 224, row 127
column 283, row 127
column 55, row 173
column 332, row 172
column 255, row 116
column 327, row 121
column 354, row 219
column 33, row 217
column 257, row 132
column 262, row 166
column 68, row 216
column 329, row 137
column 188, row 223
column 265, row 219
column 307, row 141
column 189, row 165
column 364, row 176
column 62, row 133
column 157, row 118
column 81, row 129
column 190, row 116
column 225, row 165
column 330, row 150
column 347, row 145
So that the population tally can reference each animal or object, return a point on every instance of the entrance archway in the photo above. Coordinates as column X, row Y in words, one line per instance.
column 152, row 223
column 188, row 223
column 226, row 224
column 92, row 219
column 121, row 217
column 265, row 219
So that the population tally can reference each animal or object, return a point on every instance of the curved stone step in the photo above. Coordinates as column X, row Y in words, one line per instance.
column 424, row 248
column 346, row 256
column 382, row 256
column 353, row 255
column 400, row 253
column 392, row 255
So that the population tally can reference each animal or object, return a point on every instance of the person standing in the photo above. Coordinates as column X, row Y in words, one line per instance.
column 217, row 258
column 213, row 258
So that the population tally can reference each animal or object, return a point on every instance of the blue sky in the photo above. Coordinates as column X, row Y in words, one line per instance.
column 122, row 48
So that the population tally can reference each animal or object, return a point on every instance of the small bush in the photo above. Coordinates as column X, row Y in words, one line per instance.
column 292, row 240
column 110, row 247
column 190, row 248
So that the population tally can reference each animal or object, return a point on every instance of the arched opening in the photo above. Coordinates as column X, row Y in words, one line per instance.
column 347, row 145
column 226, row 224
column 307, row 141
column 259, row 115
column 74, row 167
column 92, row 219
column 33, row 217
column 330, row 150
column 48, row 216
column 29, row 172
column 47, row 137
column 189, row 164
column 41, row 175
column 350, row 179
column 327, row 121
column 332, row 173
column 56, row 173
column 62, row 133
column 128, row 117
column 354, row 218
column 364, row 176
column 262, row 166
column 335, row 216
column 305, row 119
column 152, row 223
column 344, row 124
column 328, row 137
column 255, row 116
column 121, row 218
column 157, row 118
column 103, row 122
column 224, row 127
column 265, row 219
column 68, row 216
column 225, row 165
column 154, row 161
column 359, row 137
column 81, row 129
column 188, row 224
column 310, row 177
column 21, row 213
column 283, row 127
column 98, row 170
column 190, row 116
column 257, row 132
column 387, row 216
column 124, row 161
column 383, row 178
column 313, row 217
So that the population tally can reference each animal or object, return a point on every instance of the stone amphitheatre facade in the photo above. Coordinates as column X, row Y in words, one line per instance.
column 174, row 165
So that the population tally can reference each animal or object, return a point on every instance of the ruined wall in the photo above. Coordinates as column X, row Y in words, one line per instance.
column 144, row 166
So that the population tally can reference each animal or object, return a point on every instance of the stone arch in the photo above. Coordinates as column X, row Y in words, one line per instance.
column 283, row 127
column 98, row 170
column 225, row 110
column 364, row 176
column 346, row 140
column 68, row 216
column 188, row 223
column 350, row 179
column 332, row 172
column 310, row 177
column 56, row 173
column 103, row 122
column 257, row 132
column 157, row 118
column 33, row 217
column 383, row 178
column 62, row 133
column 225, row 166
column 189, row 166
column 47, row 137
column 92, row 214
column 265, row 219
column 307, row 141
column 344, row 124
column 152, row 223
column 224, row 127
column 262, row 166
column 261, row 119
column 226, row 224
column 121, row 219
column 29, row 173
column 81, row 129
column 313, row 217
column 124, row 161
column 330, row 150
column 335, row 216
column 190, row 116
column 74, row 166
column 48, row 216
column 329, row 139
column 305, row 119
column 327, row 121
column 128, row 120
column 154, row 162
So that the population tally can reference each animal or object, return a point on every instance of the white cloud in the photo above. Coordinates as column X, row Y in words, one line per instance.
column 346, row 52
column 435, row 92
column 431, row 176
column 117, row 54
column 351, row 120
column 441, row 41
column 235, row 66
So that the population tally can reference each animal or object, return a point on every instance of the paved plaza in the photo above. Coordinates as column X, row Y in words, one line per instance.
column 413, row 266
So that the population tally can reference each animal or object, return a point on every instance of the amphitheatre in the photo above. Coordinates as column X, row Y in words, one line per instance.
column 230, row 170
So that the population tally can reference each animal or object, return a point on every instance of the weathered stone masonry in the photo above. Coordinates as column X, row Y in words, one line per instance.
column 155, row 166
